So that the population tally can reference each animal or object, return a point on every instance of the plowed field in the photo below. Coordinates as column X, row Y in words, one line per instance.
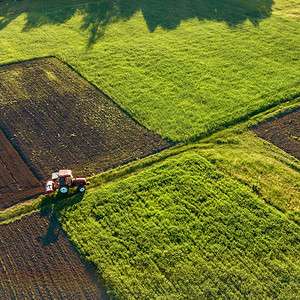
column 283, row 132
column 56, row 119
column 37, row 261
column 16, row 180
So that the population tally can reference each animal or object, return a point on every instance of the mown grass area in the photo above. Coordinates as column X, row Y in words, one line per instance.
column 183, row 229
column 182, row 69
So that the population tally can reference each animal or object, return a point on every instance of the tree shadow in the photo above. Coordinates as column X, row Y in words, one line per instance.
column 166, row 14
column 54, row 17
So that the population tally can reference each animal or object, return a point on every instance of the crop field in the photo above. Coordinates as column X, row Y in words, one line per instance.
column 37, row 261
column 16, row 180
column 98, row 86
column 56, row 119
column 184, row 230
column 284, row 132
column 240, row 59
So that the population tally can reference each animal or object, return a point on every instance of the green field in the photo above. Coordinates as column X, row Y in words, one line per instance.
column 218, row 215
column 183, row 69
column 184, row 230
column 173, row 226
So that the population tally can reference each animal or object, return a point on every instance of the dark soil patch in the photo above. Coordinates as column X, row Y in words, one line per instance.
column 56, row 119
column 37, row 261
column 16, row 180
column 283, row 132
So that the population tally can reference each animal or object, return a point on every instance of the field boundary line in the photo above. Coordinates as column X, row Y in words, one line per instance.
column 15, row 62
column 123, row 171
column 93, row 85
column 114, row 102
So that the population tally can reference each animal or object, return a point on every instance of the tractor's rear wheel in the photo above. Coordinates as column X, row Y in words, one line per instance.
column 81, row 189
column 63, row 189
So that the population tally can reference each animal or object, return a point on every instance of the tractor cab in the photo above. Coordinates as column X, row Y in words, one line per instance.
column 65, row 177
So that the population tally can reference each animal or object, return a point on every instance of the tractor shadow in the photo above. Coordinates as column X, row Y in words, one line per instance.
column 53, row 231
column 51, row 207
column 166, row 14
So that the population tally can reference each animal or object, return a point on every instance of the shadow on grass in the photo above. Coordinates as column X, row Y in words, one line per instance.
column 167, row 14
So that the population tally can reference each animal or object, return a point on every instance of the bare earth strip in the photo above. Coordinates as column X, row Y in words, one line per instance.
column 16, row 180
column 37, row 261
column 283, row 132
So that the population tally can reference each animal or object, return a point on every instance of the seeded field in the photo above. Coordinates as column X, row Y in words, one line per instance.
column 56, row 119
column 284, row 132
column 16, row 180
column 37, row 261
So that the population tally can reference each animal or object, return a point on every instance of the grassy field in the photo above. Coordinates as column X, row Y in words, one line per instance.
column 182, row 229
column 268, row 171
column 209, row 219
column 172, row 226
column 289, row 9
column 233, row 65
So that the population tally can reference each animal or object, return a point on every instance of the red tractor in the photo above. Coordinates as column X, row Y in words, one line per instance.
column 63, row 181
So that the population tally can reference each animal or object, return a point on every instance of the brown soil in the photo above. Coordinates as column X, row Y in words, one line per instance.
column 283, row 132
column 16, row 180
column 55, row 119
column 37, row 261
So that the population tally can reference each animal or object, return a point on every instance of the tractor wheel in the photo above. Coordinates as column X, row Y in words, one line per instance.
column 63, row 189
column 81, row 189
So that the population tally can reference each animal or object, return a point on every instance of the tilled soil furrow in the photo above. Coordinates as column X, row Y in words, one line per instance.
column 10, row 157
column 55, row 119
column 38, row 261
column 36, row 274
column 283, row 132
column 7, row 182
column 6, row 287
column 79, row 273
column 16, row 180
